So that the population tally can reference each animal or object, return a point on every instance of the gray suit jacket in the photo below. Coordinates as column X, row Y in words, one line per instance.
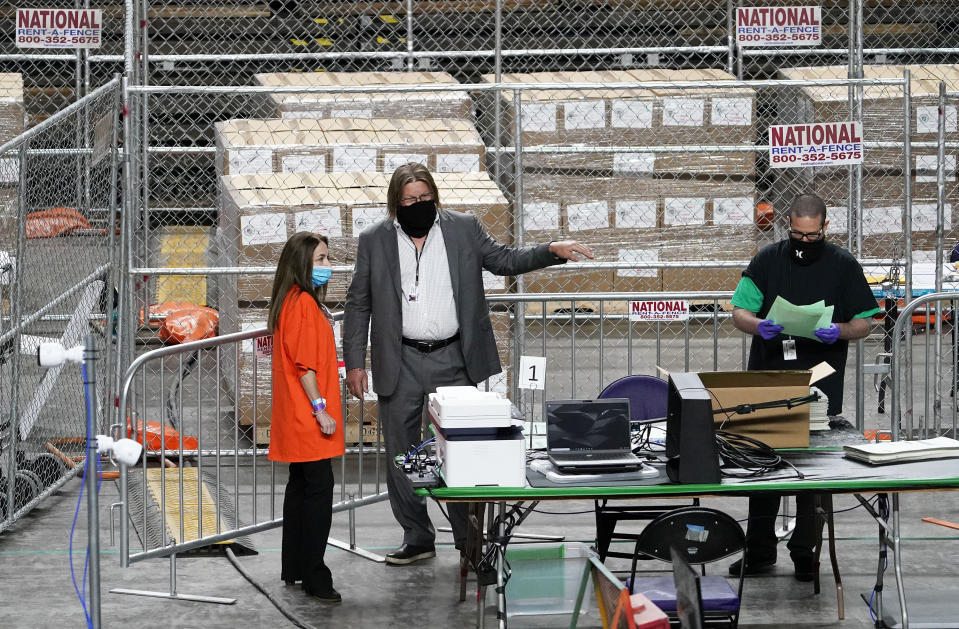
column 375, row 293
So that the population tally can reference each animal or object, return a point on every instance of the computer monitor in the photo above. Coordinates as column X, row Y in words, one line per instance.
column 692, row 455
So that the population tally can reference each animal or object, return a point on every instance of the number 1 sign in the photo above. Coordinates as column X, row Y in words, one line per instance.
column 532, row 372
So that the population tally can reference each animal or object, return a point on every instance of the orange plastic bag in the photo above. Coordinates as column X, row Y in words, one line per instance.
column 58, row 221
column 159, row 312
column 155, row 437
column 191, row 323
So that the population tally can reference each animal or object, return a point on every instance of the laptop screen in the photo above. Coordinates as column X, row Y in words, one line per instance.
column 587, row 425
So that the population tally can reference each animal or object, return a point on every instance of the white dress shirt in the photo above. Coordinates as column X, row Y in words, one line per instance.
column 431, row 313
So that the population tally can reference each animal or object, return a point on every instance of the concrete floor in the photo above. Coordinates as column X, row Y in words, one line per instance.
column 36, row 590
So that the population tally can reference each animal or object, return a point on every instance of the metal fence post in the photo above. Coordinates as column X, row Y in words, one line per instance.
column 519, row 311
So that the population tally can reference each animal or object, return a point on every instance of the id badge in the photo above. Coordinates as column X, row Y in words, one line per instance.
column 789, row 349
column 414, row 293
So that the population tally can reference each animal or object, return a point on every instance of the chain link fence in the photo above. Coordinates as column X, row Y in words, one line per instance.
column 57, row 273
column 642, row 154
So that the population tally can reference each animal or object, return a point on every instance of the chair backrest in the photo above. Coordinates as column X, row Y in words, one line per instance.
column 705, row 535
column 647, row 395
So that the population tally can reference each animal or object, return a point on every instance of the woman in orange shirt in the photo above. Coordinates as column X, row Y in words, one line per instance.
column 306, row 421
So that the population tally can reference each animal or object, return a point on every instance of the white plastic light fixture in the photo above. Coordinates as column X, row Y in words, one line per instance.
column 124, row 451
column 55, row 354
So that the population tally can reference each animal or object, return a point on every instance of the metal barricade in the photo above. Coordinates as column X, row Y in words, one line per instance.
column 213, row 483
column 923, row 374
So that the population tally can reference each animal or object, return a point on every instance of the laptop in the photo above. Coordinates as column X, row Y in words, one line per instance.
column 590, row 435
column 689, row 598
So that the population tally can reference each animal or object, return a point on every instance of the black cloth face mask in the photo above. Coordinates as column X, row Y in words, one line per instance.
column 804, row 252
column 416, row 219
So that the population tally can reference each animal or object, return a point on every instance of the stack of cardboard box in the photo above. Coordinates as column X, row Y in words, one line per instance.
column 678, row 203
column 400, row 104
column 12, row 124
column 246, row 147
column 883, row 195
column 258, row 213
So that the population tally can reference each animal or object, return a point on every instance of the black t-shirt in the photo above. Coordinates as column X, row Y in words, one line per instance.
column 835, row 278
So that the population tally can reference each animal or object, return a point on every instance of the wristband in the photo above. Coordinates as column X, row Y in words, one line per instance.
column 318, row 404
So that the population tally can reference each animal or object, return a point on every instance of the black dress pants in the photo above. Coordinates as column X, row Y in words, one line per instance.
column 761, row 529
column 307, row 515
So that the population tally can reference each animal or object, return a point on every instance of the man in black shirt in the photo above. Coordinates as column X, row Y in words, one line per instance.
column 802, row 269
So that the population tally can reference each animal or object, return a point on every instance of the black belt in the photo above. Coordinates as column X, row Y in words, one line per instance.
column 430, row 346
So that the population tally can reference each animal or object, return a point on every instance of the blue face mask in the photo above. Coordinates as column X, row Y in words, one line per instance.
column 321, row 275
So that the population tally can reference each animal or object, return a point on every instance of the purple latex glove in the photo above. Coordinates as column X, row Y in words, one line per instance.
column 828, row 335
column 769, row 330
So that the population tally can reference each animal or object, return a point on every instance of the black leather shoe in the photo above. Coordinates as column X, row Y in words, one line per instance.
column 408, row 553
column 290, row 582
column 806, row 569
column 759, row 566
column 325, row 596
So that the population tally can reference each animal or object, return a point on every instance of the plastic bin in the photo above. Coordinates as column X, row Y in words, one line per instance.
column 546, row 578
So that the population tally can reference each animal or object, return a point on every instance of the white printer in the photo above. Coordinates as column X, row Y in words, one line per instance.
column 478, row 441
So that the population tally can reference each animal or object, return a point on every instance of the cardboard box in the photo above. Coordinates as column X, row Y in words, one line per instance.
column 629, row 117
column 449, row 104
column 13, row 119
column 258, row 213
column 883, row 200
column 776, row 427
column 882, row 107
column 248, row 147
column 659, row 220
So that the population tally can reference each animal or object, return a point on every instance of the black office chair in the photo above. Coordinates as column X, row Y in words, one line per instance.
column 705, row 536
column 647, row 397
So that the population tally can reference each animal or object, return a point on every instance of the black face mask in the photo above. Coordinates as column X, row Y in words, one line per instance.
column 417, row 219
column 804, row 252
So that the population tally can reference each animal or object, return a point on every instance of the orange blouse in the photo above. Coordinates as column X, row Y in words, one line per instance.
column 303, row 340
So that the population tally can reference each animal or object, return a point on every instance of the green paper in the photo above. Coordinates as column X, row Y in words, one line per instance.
column 800, row 320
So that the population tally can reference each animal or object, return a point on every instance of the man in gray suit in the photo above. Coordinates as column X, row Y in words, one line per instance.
column 417, row 290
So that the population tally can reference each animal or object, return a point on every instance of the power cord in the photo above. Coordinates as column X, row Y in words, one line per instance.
column 749, row 454
column 296, row 620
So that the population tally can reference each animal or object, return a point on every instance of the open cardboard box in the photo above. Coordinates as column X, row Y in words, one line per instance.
column 776, row 427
